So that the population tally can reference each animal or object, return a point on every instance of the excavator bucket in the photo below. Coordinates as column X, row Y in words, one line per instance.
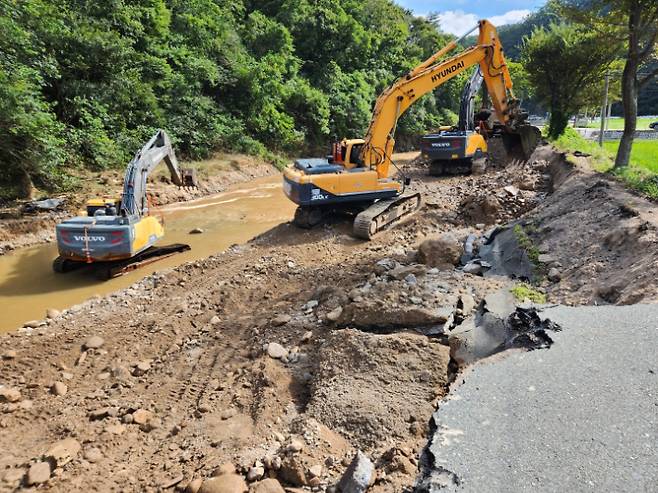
column 521, row 143
column 189, row 178
column 530, row 138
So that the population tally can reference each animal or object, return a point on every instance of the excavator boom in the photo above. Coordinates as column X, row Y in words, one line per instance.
column 431, row 74
column 156, row 150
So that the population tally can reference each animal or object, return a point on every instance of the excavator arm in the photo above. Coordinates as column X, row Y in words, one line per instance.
column 431, row 74
column 156, row 150
column 466, row 107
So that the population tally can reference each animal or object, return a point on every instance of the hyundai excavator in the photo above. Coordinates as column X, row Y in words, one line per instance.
column 119, row 235
column 355, row 177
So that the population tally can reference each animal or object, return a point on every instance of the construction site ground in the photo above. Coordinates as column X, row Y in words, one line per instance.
column 282, row 357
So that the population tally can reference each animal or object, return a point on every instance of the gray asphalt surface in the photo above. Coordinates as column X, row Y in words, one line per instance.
column 580, row 416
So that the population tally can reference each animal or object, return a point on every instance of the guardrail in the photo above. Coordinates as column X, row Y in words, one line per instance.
column 593, row 134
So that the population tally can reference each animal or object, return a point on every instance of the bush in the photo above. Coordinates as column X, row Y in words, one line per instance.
column 602, row 159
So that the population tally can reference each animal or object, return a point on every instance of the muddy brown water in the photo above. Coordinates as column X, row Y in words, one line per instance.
column 28, row 285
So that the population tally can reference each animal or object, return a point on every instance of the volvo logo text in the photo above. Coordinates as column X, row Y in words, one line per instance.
column 89, row 238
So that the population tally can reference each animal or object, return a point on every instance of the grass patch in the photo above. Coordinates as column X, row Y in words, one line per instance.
column 523, row 291
column 641, row 175
column 527, row 244
column 572, row 141
column 643, row 155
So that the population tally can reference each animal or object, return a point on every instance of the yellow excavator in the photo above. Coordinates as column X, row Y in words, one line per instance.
column 355, row 177
column 119, row 235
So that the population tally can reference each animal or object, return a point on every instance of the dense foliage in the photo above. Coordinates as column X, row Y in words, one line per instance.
column 566, row 65
column 84, row 83
column 512, row 37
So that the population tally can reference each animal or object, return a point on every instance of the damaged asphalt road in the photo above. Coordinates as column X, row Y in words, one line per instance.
column 580, row 416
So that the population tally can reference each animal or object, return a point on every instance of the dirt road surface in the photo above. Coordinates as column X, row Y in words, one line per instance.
column 282, row 357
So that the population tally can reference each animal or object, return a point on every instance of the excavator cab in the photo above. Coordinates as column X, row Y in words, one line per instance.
column 109, row 206
column 347, row 153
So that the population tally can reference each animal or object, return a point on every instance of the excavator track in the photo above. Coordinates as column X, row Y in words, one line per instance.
column 114, row 268
column 107, row 270
column 308, row 217
column 384, row 214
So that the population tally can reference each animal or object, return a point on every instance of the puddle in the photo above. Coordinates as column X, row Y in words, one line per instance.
column 28, row 285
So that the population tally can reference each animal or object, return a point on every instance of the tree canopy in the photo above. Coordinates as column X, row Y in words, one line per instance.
column 565, row 65
column 633, row 25
column 84, row 83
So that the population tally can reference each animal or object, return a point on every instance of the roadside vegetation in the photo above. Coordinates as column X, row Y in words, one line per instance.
column 644, row 154
column 641, row 175
column 526, row 243
column 523, row 291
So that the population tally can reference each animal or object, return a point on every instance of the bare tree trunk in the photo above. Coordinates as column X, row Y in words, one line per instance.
column 26, row 187
column 629, row 96
column 629, row 88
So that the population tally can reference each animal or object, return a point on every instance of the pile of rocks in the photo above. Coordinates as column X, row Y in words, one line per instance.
column 505, row 195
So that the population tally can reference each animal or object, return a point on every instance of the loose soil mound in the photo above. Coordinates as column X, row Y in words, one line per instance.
column 377, row 388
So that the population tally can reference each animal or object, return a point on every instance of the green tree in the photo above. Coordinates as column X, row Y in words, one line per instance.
column 31, row 138
column 633, row 25
column 83, row 83
column 564, row 62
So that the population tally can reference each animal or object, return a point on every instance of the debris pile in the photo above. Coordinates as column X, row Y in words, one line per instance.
column 508, row 194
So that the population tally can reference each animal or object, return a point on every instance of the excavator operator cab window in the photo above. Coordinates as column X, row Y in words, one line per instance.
column 355, row 157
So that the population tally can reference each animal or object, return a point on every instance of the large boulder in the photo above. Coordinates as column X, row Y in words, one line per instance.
column 226, row 483
column 293, row 471
column 38, row 473
column 443, row 251
column 267, row 486
column 63, row 452
column 358, row 476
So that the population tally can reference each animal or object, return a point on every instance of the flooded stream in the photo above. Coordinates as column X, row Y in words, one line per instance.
column 28, row 285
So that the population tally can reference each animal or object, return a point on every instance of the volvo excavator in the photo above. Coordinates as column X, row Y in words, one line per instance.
column 463, row 148
column 119, row 235
column 355, row 177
